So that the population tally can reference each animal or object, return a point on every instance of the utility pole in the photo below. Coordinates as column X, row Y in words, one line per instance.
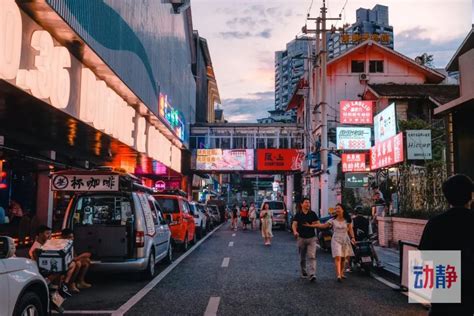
column 320, row 82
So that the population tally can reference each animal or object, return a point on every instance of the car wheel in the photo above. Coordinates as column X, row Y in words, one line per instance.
column 193, row 242
column 149, row 272
column 169, row 256
column 29, row 304
column 200, row 232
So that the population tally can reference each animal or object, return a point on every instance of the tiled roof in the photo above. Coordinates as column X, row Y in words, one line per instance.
column 439, row 93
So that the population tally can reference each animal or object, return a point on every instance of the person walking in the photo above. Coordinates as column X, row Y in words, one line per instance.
column 244, row 215
column 452, row 230
column 342, row 240
column 306, row 238
column 266, row 218
column 235, row 217
column 253, row 215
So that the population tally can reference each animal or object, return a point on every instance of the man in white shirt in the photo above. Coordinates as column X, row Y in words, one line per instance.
column 42, row 235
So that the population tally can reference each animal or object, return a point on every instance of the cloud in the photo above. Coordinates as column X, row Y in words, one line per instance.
column 248, row 109
column 235, row 35
column 266, row 33
column 415, row 41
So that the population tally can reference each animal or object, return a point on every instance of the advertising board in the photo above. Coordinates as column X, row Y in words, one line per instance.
column 353, row 138
column 225, row 159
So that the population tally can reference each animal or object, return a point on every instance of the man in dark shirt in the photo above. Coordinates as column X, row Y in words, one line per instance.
column 452, row 230
column 306, row 238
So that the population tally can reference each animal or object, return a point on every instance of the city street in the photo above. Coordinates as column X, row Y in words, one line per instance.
column 254, row 280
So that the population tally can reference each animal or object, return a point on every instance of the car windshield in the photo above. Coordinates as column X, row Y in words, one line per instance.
column 275, row 205
column 102, row 209
column 168, row 205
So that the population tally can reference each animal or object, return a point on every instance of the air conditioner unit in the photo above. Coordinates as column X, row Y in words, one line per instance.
column 363, row 77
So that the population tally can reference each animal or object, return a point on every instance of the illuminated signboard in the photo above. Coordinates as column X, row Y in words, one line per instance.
column 385, row 124
column 353, row 138
column 357, row 38
column 173, row 117
column 225, row 159
column 356, row 112
column 279, row 159
column 356, row 180
column 387, row 152
column 419, row 145
column 353, row 162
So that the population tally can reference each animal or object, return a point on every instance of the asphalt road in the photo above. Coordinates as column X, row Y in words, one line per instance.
column 263, row 280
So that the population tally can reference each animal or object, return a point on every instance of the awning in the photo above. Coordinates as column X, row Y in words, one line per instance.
column 297, row 97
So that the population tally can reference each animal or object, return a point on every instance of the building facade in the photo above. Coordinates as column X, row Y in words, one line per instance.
column 86, row 84
column 370, row 24
column 289, row 68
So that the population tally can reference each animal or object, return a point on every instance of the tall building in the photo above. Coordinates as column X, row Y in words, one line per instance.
column 289, row 67
column 370, row 24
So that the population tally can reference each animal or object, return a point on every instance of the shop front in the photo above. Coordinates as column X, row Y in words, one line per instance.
column 56, row 113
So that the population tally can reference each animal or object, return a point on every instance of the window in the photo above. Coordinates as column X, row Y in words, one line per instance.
column 376, row 66
column 357, row 66
column 169, row 205
column 102, row 210
column 154, row 215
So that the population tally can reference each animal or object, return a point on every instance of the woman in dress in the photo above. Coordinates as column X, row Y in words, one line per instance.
column 341, row 243
column 253, row 215
column 266, row 219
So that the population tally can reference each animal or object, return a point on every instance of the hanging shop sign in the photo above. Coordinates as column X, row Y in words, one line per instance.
column 385, row 124
column 225, row 159
column 356, row 180
column 419, row 144
column 160, row 185
column 173, row 117
column 84, row 183
column 353, row 163
column 279, row 159
column 353, row 138
column 387, row 152
column 356, row 112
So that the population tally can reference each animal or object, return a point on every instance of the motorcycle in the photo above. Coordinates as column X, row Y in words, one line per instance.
column 363, row 255
column 325, row 236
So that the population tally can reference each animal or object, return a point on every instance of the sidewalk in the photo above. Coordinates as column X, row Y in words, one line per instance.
column 390, row 259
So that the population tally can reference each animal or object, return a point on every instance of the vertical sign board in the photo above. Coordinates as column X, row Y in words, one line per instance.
column 353, row 138
column 356, row 112
column 419, row 144
column 353, row 163
column 356, row 180
column 385, row 124
column 387, row 152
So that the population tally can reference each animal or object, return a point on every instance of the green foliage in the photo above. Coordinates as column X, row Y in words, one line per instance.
column 419, row 214
column 426, row 59
column 413, row 124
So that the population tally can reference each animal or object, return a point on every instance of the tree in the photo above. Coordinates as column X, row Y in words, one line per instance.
column 425, row 59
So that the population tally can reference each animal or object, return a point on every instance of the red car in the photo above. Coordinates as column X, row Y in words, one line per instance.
column 181, row 222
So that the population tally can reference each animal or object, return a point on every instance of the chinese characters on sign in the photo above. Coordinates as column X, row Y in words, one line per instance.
column 387, row 152
column 279, row 159
column 435, row 275
column 385, row 124
column 85, row 183
column 356, row 112
column 356, row 180
column 419, row 145
column 353, row 138
column 353, row 162
column 357, row 38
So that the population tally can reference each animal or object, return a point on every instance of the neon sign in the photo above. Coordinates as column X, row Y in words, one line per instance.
column 173, row 117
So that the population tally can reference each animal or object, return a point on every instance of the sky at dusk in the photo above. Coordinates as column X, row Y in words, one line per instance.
column 243, row 36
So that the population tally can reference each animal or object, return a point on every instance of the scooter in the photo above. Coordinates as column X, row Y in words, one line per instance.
column 363, row 255
column 325, row 236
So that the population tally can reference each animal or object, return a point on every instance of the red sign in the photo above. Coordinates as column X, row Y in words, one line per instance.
column 279, row 159
column 356, row 112
column 387, row 152
column 353, row 162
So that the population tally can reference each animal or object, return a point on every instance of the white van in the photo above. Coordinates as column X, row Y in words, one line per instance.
column 116, row 219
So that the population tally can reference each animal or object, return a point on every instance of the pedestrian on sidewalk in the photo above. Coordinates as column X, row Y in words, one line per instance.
column 244, row 215
column 235, row 217
column 452, row 230
column 266, row 218
column 303, row 226
column 253, row 215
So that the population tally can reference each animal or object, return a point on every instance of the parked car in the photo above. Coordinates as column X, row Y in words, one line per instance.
column 204, row 210
column 215, row 215
column 177, row 210
column 200, row 219
column 23, row 290
column 121, row 225
column 279, row 212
